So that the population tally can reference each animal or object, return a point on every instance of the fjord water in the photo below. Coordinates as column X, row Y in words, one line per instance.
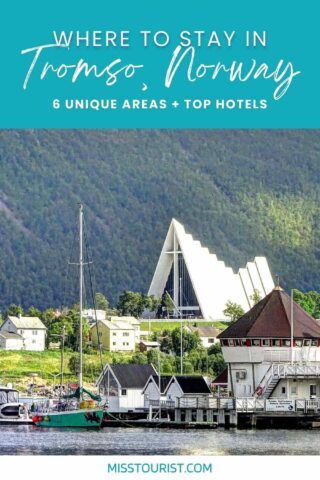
column 30, row 440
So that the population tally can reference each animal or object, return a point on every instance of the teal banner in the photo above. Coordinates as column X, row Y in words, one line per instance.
column 204, row 64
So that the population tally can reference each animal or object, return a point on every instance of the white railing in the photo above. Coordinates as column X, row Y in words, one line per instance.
column 261, row 388
column 300, row 354
column 214, row 403
column 286, row 370
column 155, row 403
column 252, row 404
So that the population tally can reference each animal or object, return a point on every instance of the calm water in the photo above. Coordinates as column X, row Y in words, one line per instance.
column 28, row 440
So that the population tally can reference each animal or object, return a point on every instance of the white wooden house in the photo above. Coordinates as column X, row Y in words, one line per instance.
column 208, row 334
column 123, row 385
column 151, row 390
column 188, row 391
column 31, row 329
column 10, row 341
column 114, row 336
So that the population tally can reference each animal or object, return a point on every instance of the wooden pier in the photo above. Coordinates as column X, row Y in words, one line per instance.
column 223, row 412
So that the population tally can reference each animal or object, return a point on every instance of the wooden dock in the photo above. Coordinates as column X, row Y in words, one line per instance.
column 223, row 412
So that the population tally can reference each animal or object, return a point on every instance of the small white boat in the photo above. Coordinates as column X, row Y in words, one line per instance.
column 12, row 411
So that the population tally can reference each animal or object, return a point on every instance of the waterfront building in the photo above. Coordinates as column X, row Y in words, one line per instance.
column 151, row 390
column 273, row 351
column 187, row 390
column 123, row 385
column 31, row 330
column 199, row 284
column 208, row 335
column 219, row 385
column 176, row 391
column 114, row 335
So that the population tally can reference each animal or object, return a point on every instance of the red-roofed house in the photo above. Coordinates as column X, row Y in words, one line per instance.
column 261, row 360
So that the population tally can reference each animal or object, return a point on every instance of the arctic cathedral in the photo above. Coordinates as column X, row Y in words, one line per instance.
column 200, row 284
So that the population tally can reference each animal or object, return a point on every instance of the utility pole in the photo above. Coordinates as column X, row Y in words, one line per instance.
column 181, row 329
column 81, row 294
column 291, row 321
column 62, row 358
column 159, row 385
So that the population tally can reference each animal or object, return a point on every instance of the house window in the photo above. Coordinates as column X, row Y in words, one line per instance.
column 283, row 390
column 313, row 391
column 34, row 340
column 114, row 333
column 314, row 343
column 125, row 334
column 266, row 342
column 114, row 343
column 210, row 340
column 286, row 343
column 243, row 342
column 20, row 332
column 298, row 343
column 125, row 344
column 293, row 390
column 34, row 332
column 306, row 343
column 255, row 342
column 276, row 342
column 123, row 391
column 231, row 343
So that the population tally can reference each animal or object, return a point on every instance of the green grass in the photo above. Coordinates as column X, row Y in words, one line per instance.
column 17, row 366
column 171, row 325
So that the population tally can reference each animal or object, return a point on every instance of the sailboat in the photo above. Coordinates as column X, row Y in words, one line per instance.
column 82, row 413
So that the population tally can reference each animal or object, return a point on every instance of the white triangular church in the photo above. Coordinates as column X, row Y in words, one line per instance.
column 199, row 284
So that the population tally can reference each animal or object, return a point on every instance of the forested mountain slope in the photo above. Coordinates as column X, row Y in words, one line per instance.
column 241, row 193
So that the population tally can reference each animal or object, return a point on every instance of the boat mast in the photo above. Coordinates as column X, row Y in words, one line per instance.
column 81, row 294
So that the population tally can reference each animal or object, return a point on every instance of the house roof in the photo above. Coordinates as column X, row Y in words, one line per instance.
column 115, row 325
column 149, row 343
column 222, row 378
column 164, row 381
column 9, row 335
column 132, row 375
column 126, row 319
column 205, row 331
column 192, row 384
column 27, row 322
column 271, row 318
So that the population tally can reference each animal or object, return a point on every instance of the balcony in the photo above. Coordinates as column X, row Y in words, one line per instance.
column 295, row 370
